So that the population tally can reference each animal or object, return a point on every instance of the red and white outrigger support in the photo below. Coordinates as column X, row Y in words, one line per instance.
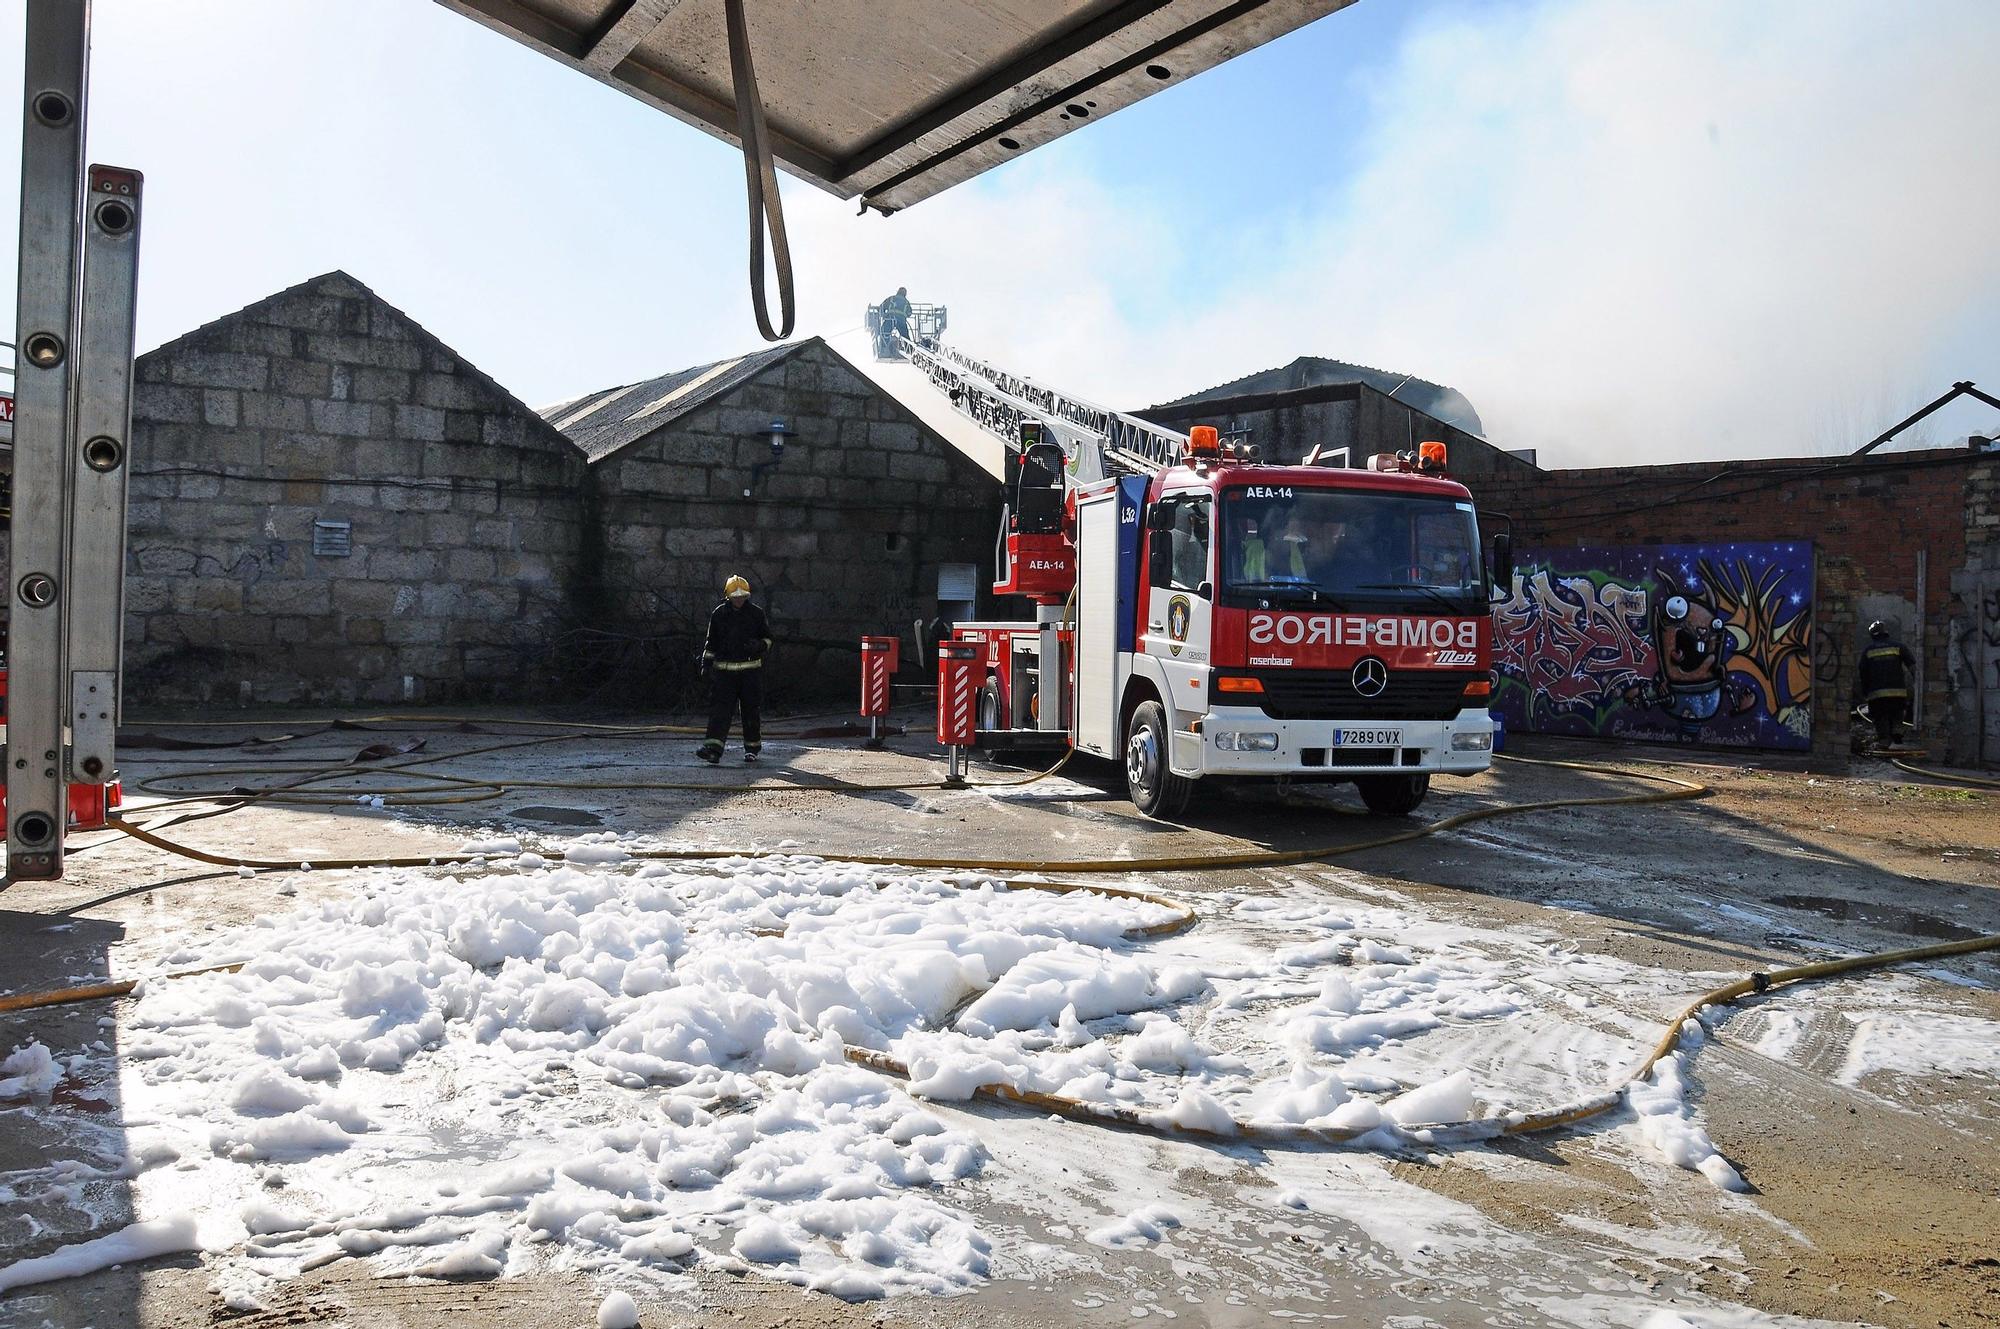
column 960, row 670
column 880, row 657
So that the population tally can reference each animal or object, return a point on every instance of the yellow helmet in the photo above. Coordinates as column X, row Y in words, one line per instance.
column 735, row 586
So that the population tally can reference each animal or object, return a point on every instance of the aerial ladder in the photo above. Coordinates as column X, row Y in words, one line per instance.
column 1096, row 440
column 1054, row 442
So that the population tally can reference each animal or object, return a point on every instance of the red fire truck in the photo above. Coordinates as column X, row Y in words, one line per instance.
column 1204, row 615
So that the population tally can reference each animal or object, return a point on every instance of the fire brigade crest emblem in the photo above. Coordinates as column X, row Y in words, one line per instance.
column 1178, row 613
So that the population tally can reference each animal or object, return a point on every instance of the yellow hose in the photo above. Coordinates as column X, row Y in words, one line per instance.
column 1678, row 790
column 1105, row 1114
column 1260, row 858
column 28, row 1001
column 1948, row 777
column 499, row 788
column 1125, row 1117
column 354, row 722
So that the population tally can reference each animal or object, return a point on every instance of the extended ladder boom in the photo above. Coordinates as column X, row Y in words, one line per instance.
column 1098, row 441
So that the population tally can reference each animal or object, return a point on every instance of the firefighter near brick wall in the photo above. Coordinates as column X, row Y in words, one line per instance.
column 732, row 659
column 1884, row 682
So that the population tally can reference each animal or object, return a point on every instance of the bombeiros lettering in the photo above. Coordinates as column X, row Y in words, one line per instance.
column 1363, row 630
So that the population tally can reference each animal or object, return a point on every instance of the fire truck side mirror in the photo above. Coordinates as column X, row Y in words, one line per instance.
column 1159, row 517
column 1503, row 566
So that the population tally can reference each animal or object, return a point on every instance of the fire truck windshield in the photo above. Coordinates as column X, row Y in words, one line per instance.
column 1352, row 549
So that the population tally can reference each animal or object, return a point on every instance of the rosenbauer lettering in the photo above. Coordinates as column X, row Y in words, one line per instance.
column 1362, row 630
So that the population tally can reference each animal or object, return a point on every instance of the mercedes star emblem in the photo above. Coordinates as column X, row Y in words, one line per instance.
column 1370, row 677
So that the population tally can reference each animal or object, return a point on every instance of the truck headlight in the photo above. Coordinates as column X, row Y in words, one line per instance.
column 1472, row 742
column 1231, row 740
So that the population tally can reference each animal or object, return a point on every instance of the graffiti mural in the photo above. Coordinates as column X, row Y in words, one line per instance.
column 1669, row 643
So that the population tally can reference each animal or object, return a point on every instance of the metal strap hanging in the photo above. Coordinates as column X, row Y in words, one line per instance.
column 762, row 178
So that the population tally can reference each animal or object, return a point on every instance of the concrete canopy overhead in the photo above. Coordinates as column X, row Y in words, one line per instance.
column 895, row 100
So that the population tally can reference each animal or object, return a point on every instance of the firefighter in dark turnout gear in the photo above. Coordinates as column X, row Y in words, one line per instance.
column 732, row 657
column 1884, row 682
column 896, row 313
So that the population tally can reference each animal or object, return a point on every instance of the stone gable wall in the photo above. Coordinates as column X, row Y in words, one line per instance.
column 324, row 404
column 845, row 537
column 488, row 562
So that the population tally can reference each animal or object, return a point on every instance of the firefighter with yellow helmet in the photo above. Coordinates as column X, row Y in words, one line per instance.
column 732, row 657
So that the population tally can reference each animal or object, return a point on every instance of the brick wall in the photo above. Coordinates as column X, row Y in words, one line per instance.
column 323, row 403
column 1972, row 652
column 1837, row 617
column 1869, row 520
column 844, row 538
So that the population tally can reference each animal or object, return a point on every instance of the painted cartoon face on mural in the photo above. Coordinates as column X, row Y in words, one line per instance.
column 1692, row 641
column 1691, row 645
column 1709, row 643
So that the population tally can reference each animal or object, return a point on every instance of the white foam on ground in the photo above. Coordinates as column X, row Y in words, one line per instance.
column 28, row 1071
column 617, row 1068
column 1138, row 1228
column 139, row 1241
column 618, row 1311
column 1914, row 1044
column 618, row 1063
column 1668, row 1124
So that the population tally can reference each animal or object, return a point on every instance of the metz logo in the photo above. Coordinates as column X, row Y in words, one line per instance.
column 1458, row 657
column 1364, row 630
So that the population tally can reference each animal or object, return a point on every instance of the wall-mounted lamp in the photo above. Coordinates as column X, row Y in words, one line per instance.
column 777, row 433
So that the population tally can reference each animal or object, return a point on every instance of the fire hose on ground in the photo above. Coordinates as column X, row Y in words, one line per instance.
column 1183, row 917
column 1945, row 777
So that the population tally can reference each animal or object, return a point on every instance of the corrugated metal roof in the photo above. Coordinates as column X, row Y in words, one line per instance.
column 602, row 423
column 606, row 422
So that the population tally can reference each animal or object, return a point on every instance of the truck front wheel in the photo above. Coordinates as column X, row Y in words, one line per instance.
column 1151, row 782
column 1393, row 795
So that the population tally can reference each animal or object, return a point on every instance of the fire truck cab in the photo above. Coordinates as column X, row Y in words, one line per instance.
column 1220, row 618
column 1308, row 623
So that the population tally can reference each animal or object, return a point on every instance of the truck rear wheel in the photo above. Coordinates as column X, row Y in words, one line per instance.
column 1393, row 795
column 989, row 711
column 1154, row 788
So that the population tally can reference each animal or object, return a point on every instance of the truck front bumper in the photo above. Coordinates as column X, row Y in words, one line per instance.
column 1245, row 741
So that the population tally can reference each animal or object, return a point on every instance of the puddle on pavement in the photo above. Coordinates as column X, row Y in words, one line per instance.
column 553, row 816
column 69, row 1095
column 1877, row 915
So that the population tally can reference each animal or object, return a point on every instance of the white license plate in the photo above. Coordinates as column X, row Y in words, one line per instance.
column 1368, row 738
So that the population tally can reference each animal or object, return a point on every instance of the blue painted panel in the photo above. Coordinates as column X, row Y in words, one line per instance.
column 1131, row 498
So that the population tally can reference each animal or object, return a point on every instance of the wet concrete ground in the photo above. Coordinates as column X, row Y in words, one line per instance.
column 1876, row 1201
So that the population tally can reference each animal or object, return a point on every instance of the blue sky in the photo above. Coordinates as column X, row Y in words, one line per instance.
column 1244, row 127
column 1249, row 148
column 1627, row 229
